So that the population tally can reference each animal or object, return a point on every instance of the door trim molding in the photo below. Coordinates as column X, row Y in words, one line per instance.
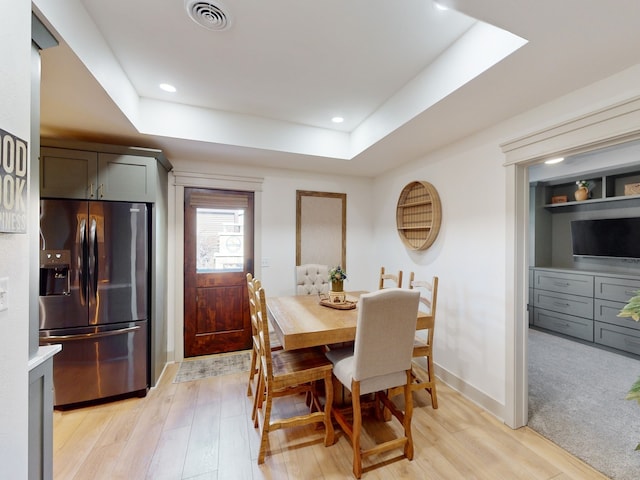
column 614, row 124
column 207, row 180
column 178, row 180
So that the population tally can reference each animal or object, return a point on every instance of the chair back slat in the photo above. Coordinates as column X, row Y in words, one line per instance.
column 396, row 278
column 263, row 330
column 429, row 292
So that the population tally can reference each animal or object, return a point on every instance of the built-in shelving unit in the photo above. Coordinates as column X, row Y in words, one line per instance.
column 604, row 188
column 575, row 296
column 418, row 215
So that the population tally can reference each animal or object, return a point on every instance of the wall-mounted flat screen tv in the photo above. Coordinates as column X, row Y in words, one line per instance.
column 606, row 237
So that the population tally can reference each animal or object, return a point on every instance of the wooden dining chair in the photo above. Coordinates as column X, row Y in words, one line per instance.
column 424, row 378
column 385, row 278
column 252, row 286
column 380, row 360
column 289, row 372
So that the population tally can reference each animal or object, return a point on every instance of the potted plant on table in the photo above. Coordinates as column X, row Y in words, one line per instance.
column 337, row 276
column 632, row 309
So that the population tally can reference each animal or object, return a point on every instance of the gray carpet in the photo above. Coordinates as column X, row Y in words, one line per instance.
column 576, row 399
column 213, row 366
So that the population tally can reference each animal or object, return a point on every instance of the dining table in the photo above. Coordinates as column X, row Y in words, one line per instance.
column 302, row 321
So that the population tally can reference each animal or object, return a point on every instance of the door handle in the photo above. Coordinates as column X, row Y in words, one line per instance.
column 93, row 257
column 82, row 260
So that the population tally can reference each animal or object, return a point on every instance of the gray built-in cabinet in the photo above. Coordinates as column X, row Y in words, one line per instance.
column 580, row 297
column 82, row 174
column 83, row 170
column 586, row 306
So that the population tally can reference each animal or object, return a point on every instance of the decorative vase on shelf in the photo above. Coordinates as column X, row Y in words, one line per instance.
column 581, row 194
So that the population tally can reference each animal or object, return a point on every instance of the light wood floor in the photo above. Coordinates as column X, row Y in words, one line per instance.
column 201, row 430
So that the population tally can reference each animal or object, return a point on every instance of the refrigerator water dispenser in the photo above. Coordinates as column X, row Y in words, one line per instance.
column 54, row 272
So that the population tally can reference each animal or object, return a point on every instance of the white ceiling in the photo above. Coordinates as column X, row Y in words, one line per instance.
column 406, row 77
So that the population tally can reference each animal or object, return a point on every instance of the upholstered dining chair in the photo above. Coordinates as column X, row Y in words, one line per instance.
column 385, row 278
column 424, row 378
column 312, row 279
column 289, row 372
column 380, row 360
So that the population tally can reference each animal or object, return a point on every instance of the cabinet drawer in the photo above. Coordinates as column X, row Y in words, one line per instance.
column 563, row 303
column 566, row 324
column 607, row 311
column 625, row 339
column 575, row 284
column 616, row 289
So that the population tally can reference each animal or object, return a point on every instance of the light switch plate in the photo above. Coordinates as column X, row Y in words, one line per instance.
column 4, row 294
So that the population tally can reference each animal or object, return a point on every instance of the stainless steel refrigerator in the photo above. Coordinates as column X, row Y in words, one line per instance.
column 94, row 297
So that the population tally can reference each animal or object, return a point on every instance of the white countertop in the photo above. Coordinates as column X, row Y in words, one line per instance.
column 44, row 353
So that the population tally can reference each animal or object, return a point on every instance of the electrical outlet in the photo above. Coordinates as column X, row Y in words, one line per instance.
column 4, row 294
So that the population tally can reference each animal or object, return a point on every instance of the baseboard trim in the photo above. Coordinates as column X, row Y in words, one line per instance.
column 473, row 394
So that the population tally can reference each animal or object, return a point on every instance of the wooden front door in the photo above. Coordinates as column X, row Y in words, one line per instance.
column 218, row 254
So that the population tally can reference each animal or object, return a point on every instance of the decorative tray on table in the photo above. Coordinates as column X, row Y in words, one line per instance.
column 346, row 305
column 337, row 301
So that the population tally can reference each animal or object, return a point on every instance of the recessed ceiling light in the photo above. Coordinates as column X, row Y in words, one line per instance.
column 337, row 119
column 552, row 161
column 440, row 7
column 168, row 88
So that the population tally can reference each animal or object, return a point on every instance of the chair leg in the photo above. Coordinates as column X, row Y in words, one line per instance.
column 408, row 413
column 252, row 370
column 357, row 429
column 258, row 398
column 264, row 434
column 329, row 433
column 432, row 380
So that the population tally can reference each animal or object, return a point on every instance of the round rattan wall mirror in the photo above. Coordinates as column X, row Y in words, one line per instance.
column 418, row 215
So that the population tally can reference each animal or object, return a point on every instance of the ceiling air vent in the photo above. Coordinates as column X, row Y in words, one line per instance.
column 208, row 15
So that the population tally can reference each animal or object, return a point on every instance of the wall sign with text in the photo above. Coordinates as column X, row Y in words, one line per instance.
column 14, row 177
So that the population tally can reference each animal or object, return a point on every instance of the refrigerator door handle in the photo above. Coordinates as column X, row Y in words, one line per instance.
column 85, row 336
column 93, row 257
column 82, row 258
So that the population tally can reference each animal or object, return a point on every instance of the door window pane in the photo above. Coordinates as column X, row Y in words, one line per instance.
column 220, row 242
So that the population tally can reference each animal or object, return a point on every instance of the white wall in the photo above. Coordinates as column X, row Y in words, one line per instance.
column 15, row 85
column 275, row 230
column 278, row 226
column 469, row 255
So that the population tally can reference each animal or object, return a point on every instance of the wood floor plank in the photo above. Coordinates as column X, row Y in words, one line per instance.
column 100, row 464
column 234, row 457
column 204, row 441
column 182, row 405
column 69, row 457
column 168, row 459
column 135, row 458
column 123, row 418
column 201, row 430
column 570, row 466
